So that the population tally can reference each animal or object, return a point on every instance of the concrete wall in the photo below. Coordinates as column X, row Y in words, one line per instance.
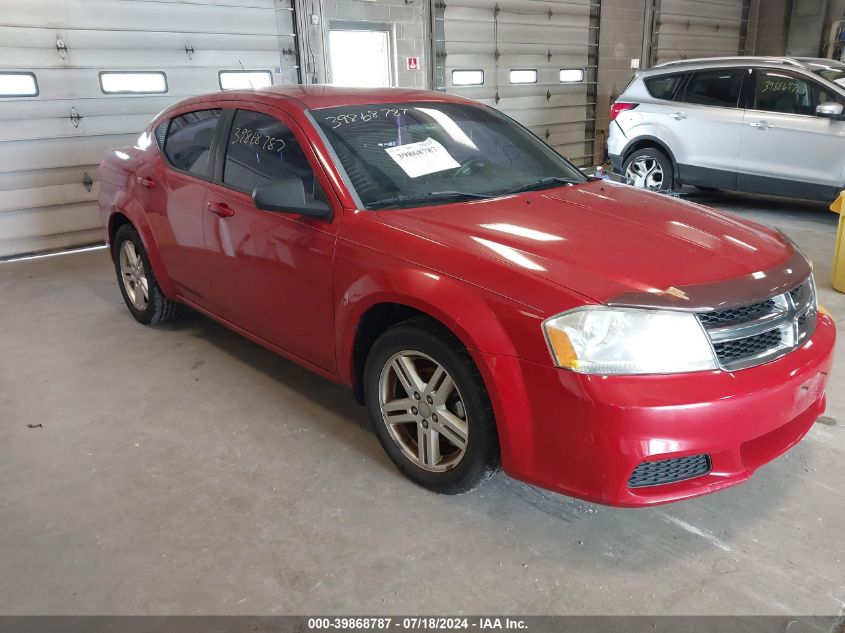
column 408, row 21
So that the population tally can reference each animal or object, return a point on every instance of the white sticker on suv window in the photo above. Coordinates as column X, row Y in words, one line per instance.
column 423, row 158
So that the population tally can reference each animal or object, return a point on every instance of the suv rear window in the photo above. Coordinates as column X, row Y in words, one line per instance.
column 719, row 87
column 664, row 86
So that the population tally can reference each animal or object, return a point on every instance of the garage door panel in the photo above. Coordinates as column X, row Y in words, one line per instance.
column 141, row 15
column 698, row 28
column 498, row 36
column 38, row 129
column 48, row 177
column 59, row 152
column 48, row 160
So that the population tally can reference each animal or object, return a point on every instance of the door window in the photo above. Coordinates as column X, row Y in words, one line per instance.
column 715, row 87
column 663, row 86
column 262, row 151
column 788, row 94
column 187, row 144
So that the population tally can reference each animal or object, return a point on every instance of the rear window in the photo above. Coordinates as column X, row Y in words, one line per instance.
column 664, row 86
column 715, row 87
column 188, row 141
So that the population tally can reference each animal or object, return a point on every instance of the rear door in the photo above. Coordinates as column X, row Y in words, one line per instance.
column 171, row 188
column 706, row 125
column 271, row 272
column 785, row 148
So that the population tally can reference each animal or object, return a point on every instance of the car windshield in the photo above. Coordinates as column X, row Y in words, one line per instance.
column 401, row 155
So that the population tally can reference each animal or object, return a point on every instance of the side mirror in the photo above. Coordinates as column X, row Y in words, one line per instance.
column 288, row 196
column 829, row 110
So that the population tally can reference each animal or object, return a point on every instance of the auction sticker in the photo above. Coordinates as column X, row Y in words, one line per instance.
column 423, row 158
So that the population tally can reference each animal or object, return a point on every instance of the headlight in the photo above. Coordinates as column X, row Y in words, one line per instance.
column 599, row 340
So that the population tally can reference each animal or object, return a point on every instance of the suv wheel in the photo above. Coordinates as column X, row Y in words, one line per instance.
column 649, row 168
column 430, row 409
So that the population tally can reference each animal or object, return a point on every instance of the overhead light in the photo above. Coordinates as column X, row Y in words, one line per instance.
column 18, row 84
column 467, row 77
column 133, row 82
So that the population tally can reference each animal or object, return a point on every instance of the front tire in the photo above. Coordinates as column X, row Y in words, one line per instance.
column 649, row 168
column 430, row 409
column 136, row 279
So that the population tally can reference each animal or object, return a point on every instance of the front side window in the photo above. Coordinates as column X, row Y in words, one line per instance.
column 262, row 151
column 663, row 86
column 187, row 143
column 788, row 94
column 715, row 87
column 399, row 155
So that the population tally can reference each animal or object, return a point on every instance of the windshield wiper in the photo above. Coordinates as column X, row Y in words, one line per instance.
column 540, row 184
column 426, row 197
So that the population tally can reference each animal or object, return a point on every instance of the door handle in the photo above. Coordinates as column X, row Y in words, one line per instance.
column 221, row 208
column 761, row 125
column 678, row 116
column 149, row 183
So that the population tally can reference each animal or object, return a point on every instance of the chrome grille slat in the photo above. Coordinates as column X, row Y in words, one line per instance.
column 751, row 335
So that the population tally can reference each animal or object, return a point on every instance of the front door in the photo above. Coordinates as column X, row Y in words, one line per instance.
column 271, row 272
column 785, row 148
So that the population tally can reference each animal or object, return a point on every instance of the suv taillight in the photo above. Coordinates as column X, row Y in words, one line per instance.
column 620, row 106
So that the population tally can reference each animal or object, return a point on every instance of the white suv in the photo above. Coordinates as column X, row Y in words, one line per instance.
column 770, row 125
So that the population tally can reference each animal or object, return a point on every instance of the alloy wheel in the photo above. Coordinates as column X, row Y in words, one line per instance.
column 645, row 172
column 133, row 275
column 423, row 411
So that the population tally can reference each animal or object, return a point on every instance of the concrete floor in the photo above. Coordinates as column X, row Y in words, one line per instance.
column 185, row 470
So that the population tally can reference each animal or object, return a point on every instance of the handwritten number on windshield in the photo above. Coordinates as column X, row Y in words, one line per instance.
column 363, row 116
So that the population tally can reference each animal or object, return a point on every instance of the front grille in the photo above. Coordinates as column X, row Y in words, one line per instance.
column 737, row 315
column 749, row 335
column 667, row 471
column 745, row 347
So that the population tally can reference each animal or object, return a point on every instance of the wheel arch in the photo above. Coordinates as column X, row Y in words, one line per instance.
column 644, row 142
column 135, row 216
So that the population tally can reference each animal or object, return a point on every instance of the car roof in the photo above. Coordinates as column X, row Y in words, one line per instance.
column 314, row 96
column 805, row 63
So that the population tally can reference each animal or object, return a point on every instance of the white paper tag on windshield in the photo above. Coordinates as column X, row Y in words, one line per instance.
column 420, row 159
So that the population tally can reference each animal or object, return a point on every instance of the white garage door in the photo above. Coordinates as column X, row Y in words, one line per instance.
column 535, row 60
column 698, row 28
column 50, row 144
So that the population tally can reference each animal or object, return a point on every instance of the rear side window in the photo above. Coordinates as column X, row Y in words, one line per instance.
column 262, row 151
column 715, row 87
column 664, row 86
column 188, row 141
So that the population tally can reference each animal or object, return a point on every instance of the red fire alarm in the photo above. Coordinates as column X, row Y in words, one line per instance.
column 413, row 63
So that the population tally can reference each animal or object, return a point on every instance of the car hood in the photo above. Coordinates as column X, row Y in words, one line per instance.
column 613, row 243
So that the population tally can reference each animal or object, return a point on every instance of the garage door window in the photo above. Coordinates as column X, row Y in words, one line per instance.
column 715, row 87
column 18, row 85
column 188, row 141
column 525, row 76
column 244, row 79
column 467, row 77
column 133, row 82
column 262, row 151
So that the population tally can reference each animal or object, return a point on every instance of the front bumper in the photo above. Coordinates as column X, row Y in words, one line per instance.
column 584, row 435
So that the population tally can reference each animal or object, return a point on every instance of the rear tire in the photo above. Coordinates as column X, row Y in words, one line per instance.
column 430, row 409
column 136, row 279
column 649, row 168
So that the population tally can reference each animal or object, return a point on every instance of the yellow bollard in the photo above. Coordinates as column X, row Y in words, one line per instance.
column 838, row 206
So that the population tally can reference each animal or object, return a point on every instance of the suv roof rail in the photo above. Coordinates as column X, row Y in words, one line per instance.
column 791, row 61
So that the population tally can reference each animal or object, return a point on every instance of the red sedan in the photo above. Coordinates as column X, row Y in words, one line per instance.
column 486, row 301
